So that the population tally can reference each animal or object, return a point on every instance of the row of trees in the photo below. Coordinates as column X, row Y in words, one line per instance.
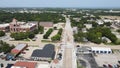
column 57, row 37
column 54, row 17
column 47, row 34
column 2, row 33
column 4, row 47
column 22, row 35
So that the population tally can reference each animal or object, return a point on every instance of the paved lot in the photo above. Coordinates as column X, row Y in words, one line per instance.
column 89, row 60
column 29, row 52
column 107, row 59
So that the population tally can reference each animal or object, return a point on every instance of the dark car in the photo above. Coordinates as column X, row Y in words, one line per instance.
column 104, row 65
column 110, row 66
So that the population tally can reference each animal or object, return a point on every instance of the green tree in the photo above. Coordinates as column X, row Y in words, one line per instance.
column 56, row 38
column 2, row 33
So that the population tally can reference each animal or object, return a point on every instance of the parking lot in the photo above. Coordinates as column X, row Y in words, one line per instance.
column 106, row 59
column 28, row 52
column 85, row 57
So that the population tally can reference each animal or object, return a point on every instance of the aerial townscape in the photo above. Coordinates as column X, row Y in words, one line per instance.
column 54, row 36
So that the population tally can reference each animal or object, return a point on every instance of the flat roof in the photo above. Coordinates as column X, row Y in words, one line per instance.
column 43, row 66
column 28, row 25
column 4, row 25
column 20, row 46
column 24, row 64
column 47, row 51
column 101, row 48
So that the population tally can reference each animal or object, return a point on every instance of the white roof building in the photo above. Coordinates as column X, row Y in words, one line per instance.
column 4, row 25
column 28, row 25
column 100, row 22
column 88, row 26
column 101, row 50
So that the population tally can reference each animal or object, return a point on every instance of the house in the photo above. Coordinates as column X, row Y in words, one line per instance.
column 47, row 53
column 24, row 64
column 4, row 27
column 88, row 26
column 18, row 49
column 100, row 22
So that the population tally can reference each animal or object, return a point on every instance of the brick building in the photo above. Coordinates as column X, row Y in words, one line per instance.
column 16, row 26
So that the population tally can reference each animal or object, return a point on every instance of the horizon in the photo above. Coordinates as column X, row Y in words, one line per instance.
column 61, row 3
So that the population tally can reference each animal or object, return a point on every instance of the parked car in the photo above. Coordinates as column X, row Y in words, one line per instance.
column 104, row 65
column 110, row 66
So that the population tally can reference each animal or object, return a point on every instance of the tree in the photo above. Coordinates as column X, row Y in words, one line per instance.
column 41, row 29
column 5, row 47
column 2, row 33
column 31, row 35
column 36, row 31
column 56, row 37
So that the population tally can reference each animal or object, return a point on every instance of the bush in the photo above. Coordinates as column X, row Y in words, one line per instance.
column 48, row 33
column 56, row 37
column 2, row 33
column 60, row 31
column 41, row 29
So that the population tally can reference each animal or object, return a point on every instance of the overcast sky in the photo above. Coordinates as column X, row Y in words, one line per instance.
column 61, row 3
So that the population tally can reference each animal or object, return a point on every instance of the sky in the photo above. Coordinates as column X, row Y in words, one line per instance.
column 61, row 3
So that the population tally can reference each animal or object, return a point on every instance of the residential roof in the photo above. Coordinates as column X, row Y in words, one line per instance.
column 22, row 64
column 47, row 51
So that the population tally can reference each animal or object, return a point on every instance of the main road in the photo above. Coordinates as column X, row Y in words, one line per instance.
column 69, row 57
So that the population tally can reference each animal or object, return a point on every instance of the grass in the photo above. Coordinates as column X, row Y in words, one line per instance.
column 26, row 39
column 48, row 41
column 78, row 65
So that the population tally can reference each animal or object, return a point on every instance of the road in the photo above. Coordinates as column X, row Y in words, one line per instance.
column 69, row 58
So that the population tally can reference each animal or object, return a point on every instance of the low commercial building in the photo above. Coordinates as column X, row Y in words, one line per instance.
column 16, row 26
column 23, row 64
column 47, row 53
column 46, row 24
column 101, row 50
column 18, row 49
column 4, row 27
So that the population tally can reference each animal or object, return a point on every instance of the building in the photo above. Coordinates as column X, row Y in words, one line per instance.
column 100, row 22
column 46, row 24
column 101, row 50
column 18, row 49
column 4, row 27
column 88, row 26
column 24, row 64
column 47, row 53
column 16, row 26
